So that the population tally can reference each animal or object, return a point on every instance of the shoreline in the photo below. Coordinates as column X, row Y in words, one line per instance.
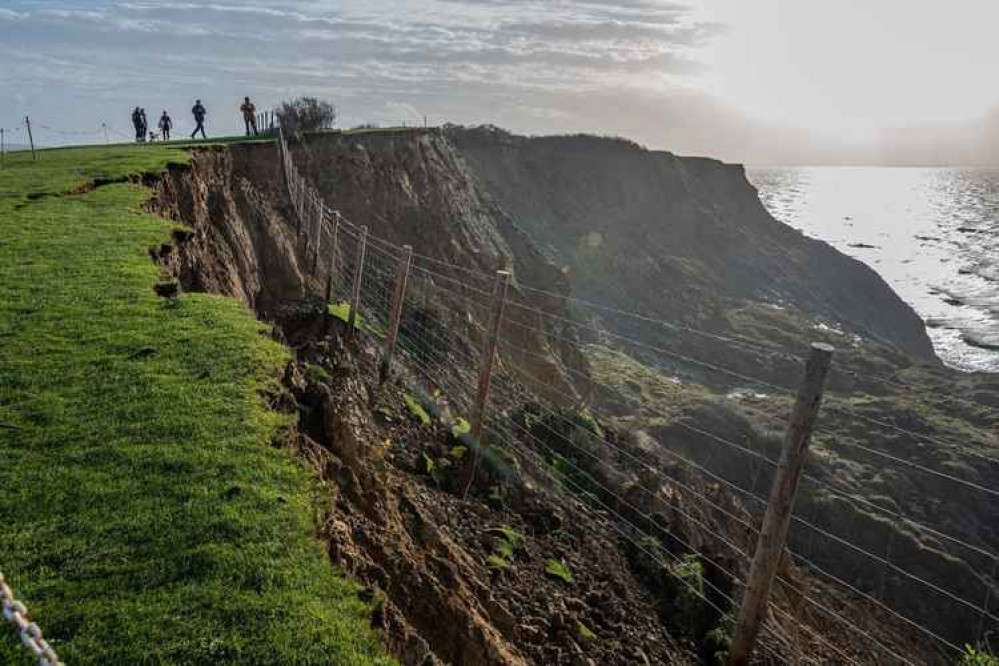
column 912, row 227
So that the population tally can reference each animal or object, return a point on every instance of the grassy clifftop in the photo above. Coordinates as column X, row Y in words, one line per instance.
column 147, row 518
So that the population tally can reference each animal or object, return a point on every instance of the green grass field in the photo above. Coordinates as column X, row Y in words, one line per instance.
column 145, row 516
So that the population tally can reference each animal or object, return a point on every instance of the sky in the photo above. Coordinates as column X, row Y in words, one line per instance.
column 755, row 81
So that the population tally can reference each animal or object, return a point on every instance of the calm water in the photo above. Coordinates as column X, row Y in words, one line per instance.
column 932, row 234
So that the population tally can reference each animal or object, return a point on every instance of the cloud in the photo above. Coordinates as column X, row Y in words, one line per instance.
column 527, row 61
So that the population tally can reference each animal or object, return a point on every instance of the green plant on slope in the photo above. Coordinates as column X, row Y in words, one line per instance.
column 497, row 562
column 685, row 580
column 718, row 641
column 558, row 570
column 509, row 543
column 416, row 409
column 972, row 656
column 461, row 427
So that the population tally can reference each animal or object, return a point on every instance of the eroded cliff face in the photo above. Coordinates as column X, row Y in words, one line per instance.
column 239, row 242
column 685, row 239
column 682, row 239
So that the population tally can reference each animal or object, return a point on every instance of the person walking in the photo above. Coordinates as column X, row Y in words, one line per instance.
column 165, row 125
column 145, row 123
column 199, row 112
column 249, row 116
column 140, row 131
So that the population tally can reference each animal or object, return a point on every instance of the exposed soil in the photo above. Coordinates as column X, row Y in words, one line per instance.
column 402, row 530
column 394, row 520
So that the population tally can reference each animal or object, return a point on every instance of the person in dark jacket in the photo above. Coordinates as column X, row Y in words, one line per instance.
column 199, row 112
column 165, row 125
column 249, row 116
column 140, row 130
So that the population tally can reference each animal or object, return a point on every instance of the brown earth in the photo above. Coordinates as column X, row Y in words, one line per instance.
column 402, row 529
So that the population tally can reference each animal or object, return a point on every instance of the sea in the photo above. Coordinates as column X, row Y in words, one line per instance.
column 931, row 233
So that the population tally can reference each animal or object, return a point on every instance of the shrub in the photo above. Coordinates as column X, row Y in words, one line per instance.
column 305, row 114
column 685, row 586
column 718, row 641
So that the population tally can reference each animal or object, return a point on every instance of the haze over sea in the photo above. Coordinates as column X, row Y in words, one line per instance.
column 931, row 233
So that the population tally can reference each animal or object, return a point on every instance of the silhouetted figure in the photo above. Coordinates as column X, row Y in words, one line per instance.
column 165, row 125
column 199, row 112
column 140, row 128
column 249, row 116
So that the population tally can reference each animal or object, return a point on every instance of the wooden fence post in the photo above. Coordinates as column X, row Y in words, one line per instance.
column 355, row 300
column 319, row 231
column 329, row 280
column 284, row 160
column 773, row 535
column 395, row 317
column 500, row 287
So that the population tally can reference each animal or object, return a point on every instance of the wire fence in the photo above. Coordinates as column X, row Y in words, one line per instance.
column 880, row 553
column 710, row 475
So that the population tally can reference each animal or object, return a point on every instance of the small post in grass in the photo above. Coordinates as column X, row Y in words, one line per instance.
column 355, row 300
column 773, row 535
column 395, row 316
column 500, row 287
column 31, row 139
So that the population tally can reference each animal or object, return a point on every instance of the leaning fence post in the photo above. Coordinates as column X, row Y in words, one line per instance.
column 398, row 299
column 355, row 300
column 500, row 287
column 773, row 535
column 31, row 138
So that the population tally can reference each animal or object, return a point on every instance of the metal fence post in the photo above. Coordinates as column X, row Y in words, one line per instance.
column 355, row 300
column 773, row 535
column 500, row 287
column 395, row 317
